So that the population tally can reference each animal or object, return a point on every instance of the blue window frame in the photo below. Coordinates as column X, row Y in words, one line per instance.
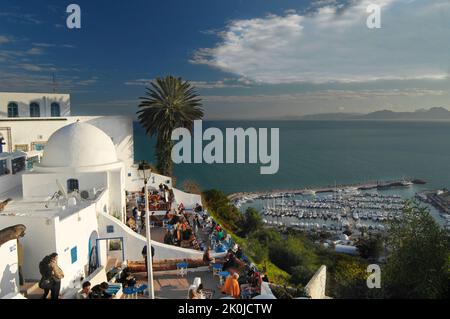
column 35, row 109
column 55, row 110
column 110, row 229
column 13, row 109
column 74, row 255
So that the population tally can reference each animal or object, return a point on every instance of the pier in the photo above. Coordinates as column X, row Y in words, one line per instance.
column 333, row 188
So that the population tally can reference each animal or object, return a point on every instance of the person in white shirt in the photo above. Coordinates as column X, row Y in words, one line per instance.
column 85, row 291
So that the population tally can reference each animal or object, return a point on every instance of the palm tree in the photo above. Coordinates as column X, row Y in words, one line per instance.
column 168, row 104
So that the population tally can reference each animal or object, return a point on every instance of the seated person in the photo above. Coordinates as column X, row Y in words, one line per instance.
column 168, row 238
column 193, row 294
column 155, row 220
column 198, row 208
column 253, row 285
column 229, row 260
column 131, row 222
column 204, row 293
column 99, row 292
column 126, row 278
column 85, row 291
column 207, row 257
column 231, row 286
column 168, row 215
column 187, row 234
column 220, row 235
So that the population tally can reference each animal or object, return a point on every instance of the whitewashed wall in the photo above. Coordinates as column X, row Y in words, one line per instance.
column 315, row 288
column 134, row 242
column 9, row 268
column 42, row 185
column 117, row 205
column 39, row 241
column 188, row 200
column 119, row 128
column 136, row 182
column 75, row 231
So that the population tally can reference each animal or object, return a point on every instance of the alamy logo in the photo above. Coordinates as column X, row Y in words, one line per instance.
column 74, row 19
column 374, row 279
column 374, row 19
column 235, row 146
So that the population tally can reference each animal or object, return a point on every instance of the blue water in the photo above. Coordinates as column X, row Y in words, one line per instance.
column 324, row 152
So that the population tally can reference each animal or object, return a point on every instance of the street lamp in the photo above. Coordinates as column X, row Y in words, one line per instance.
column 145, row 172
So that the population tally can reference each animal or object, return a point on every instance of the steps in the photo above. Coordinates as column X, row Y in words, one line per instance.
column 31, row 290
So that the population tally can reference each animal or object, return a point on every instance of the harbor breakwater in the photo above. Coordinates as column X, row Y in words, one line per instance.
column 329, row 189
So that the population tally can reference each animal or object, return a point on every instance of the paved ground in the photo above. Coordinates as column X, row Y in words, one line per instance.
column 169, row 285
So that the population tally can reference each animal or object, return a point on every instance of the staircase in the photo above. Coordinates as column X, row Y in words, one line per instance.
column 31, row 290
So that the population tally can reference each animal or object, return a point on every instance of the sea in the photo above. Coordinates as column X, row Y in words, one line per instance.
column 322, row 153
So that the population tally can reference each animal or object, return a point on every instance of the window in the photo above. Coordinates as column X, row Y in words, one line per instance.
column 35, row 110
column 115, row 245
column 38, row 146
column 55, row 110
column 3, row 167
column 13, row 110
column 21, row 148
column 18, row 165
column 31, row 161
column 74, row 255
column 110, row 229
column 72, row 185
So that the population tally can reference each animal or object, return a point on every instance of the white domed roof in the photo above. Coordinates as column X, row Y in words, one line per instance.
column 79, row 145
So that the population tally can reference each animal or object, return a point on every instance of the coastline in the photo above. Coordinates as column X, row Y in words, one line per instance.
column 330, row 188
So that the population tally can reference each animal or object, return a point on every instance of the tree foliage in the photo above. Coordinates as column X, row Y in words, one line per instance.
column 418, row 262
column 169, row 103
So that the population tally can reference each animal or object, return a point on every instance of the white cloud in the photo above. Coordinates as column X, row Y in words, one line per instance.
column 221, row 84
column 4, row 39
column 35, row 51
column 333, row 44
column 17, row 17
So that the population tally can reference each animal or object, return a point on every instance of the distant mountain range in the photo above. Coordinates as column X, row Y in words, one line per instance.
column 434, row 113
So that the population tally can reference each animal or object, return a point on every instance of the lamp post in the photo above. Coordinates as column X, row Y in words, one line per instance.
column 145, row 172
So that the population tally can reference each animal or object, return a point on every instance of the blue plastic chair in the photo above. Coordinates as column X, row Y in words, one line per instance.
column 217, row 268
column 182, row 268
column 130, row 292
column 141, row 289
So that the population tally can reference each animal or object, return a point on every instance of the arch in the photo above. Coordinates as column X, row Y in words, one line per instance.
column 92, row 252
column 55, row 109
column 35, row 109
column 13, row 109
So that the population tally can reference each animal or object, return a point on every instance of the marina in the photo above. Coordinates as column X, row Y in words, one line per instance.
column 356, row 209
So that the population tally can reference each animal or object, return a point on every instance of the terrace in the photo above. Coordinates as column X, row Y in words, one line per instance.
column 174, row 278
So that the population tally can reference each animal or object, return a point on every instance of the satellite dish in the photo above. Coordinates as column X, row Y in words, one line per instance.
column 62, row 189
column 72, row 202
column 84, row 194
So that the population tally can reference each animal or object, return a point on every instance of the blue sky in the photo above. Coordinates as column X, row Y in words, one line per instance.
column 249, row 59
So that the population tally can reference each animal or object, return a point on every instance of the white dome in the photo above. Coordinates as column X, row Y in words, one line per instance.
column 79, row 145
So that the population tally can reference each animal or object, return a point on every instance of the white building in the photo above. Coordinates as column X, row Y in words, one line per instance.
column 73, row 203
column 27, row 120
column 41, row 105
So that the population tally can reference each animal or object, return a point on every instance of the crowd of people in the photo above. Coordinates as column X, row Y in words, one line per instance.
column 198, row 230
column 97, row 292
column 158, row 199
column 244, row 280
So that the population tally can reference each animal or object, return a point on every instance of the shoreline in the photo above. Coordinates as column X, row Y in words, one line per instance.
column 331, row 188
